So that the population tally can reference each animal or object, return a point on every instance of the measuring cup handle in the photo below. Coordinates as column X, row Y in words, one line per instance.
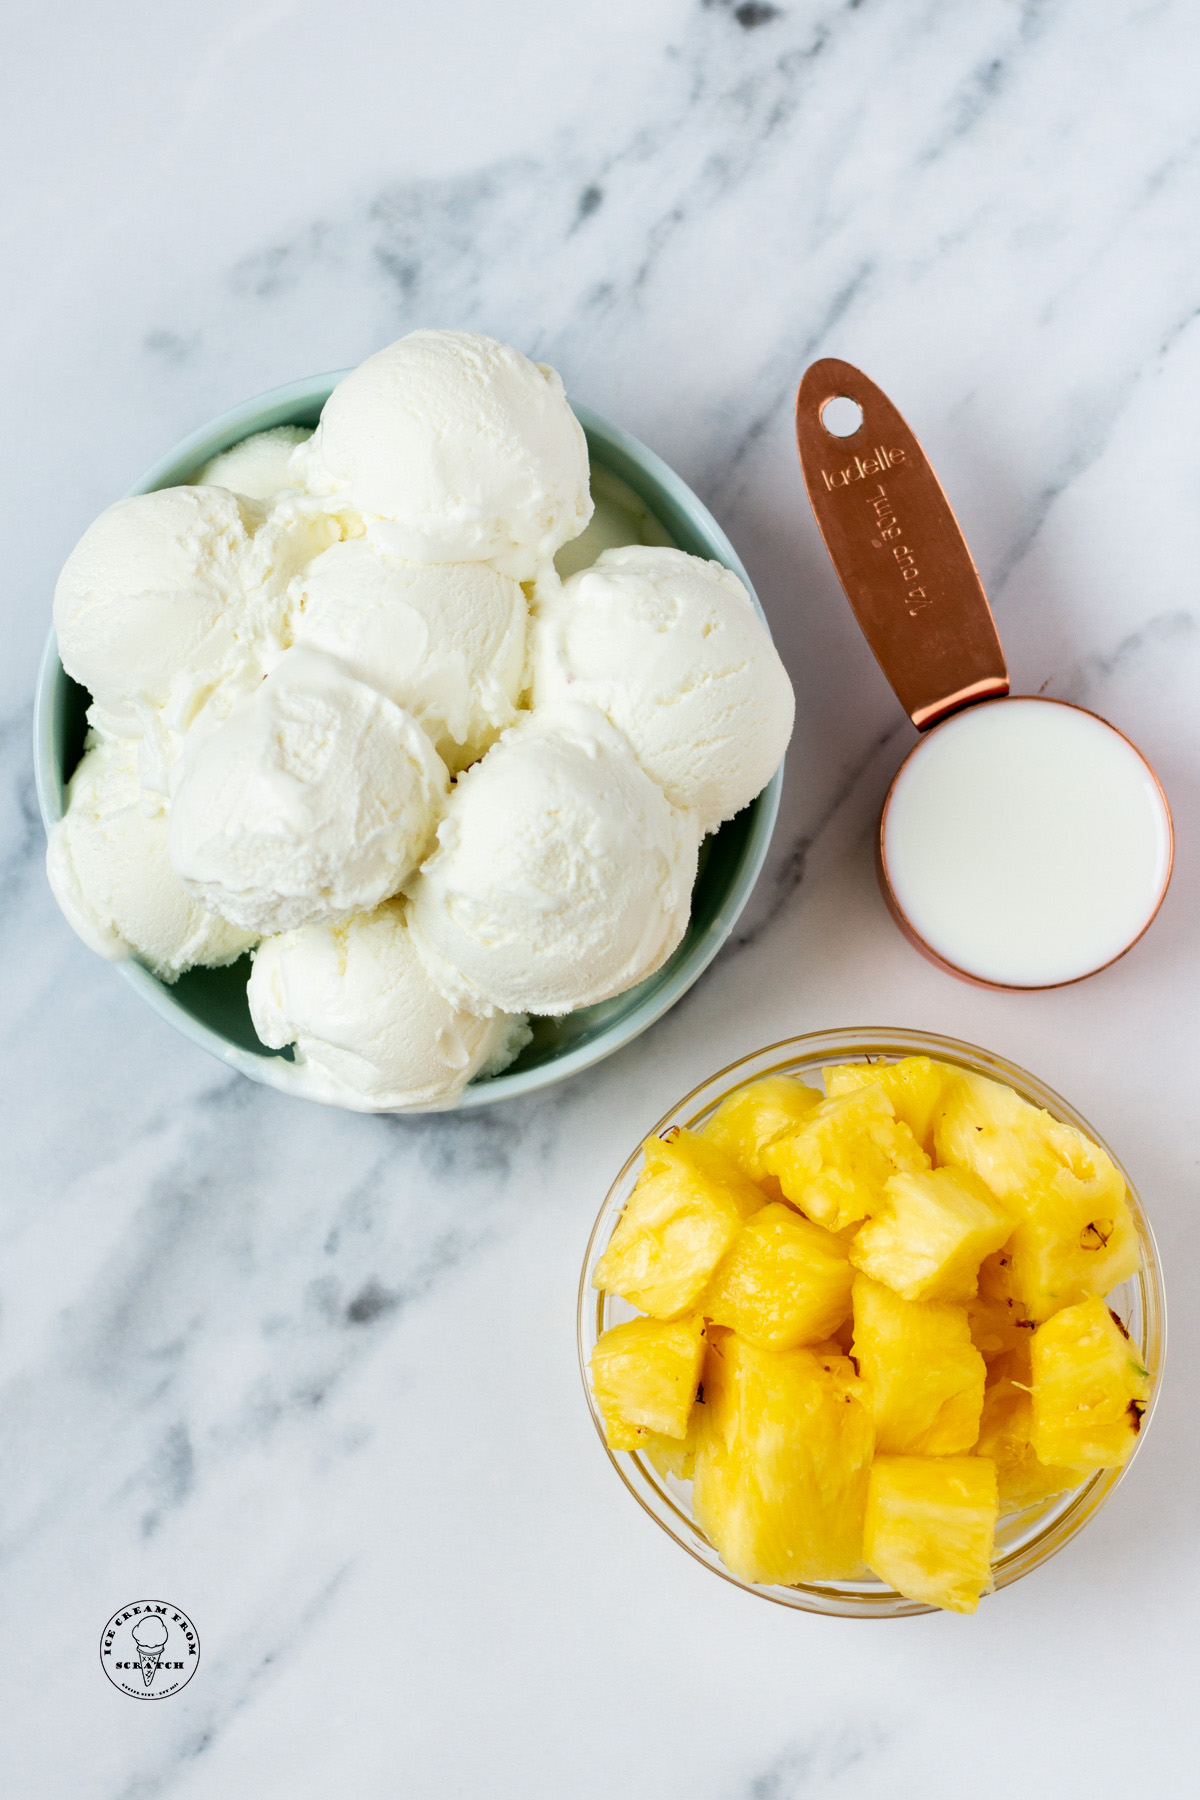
column 898, row 549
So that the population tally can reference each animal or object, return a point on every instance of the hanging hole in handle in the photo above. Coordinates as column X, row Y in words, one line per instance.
column 841, row 416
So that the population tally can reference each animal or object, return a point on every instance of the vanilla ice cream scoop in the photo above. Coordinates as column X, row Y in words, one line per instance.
column 152, row 589
column 258, row 466
column 109, row 869
column 444, row 640
column 670, row 649
column 296, row 530
column 293, row 530
column 562, row 876
column 314, row 800
column 371, row 1031
column 455, row 448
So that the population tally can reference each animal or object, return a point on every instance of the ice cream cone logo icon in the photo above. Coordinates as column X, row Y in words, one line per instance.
column 150, row 1649
column 150, row 1636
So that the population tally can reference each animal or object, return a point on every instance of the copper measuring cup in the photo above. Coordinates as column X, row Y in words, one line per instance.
column 907, row 572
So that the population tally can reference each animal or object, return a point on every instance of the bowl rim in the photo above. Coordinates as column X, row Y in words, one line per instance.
column 276, row 406
column 1066, row 1514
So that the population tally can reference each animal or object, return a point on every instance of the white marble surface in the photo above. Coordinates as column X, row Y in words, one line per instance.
column 312, row 1376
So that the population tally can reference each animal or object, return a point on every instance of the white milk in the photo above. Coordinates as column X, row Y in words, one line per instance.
column 1027, row 842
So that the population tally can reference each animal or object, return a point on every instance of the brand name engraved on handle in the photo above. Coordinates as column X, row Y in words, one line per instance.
column 877, row 463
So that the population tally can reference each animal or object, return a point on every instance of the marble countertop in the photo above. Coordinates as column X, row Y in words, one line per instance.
column 312, row 1375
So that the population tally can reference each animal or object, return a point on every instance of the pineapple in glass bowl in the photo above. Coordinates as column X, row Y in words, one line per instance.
column 866, row 1371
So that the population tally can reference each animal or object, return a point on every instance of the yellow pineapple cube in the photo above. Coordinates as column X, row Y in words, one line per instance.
column 1074, row 1235
column 914, row 1085
column 644, row 1377
column 924, row 1377
column 1006, row 1437
column 931, row 1234
column 930, row 1526
column 744, row 1124
column 1090, row 1389
column 998, row 1317
column 689, row 1204
column 674, row 1456
column 782, row 1461
column 994, row 1332
column 987, row 1127
column 783, row 1282
column 834, row 1164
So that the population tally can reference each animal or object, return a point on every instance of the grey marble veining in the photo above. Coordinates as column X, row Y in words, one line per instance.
column 312, row 1375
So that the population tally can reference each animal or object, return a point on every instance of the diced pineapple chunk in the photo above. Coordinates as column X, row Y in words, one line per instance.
column 1056, row 1259
column 1006, row 1437
column 993, row 1331
column 744, row 1124
column 930, row 1526
column 998, row 1318
column 781, row 1465
column 784, row 1281
column 688, row 1206
column 924, row 1377
column 1090, row 1389
column 834, row 1164
column 1065, row 1248
column 674, row 1456
column 914, row 1085
column 985, row 1126
column 1074, row 1234
column 933, row 1231
column 644, row 1376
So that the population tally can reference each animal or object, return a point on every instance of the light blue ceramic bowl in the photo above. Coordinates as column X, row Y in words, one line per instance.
column 209, row 1005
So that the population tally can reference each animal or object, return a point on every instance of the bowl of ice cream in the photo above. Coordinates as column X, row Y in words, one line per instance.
column 872, row 1323
column 196, row 969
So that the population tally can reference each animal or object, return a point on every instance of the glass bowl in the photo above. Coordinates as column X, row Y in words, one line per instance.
column 1024, row 1539
column 209, row 1006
